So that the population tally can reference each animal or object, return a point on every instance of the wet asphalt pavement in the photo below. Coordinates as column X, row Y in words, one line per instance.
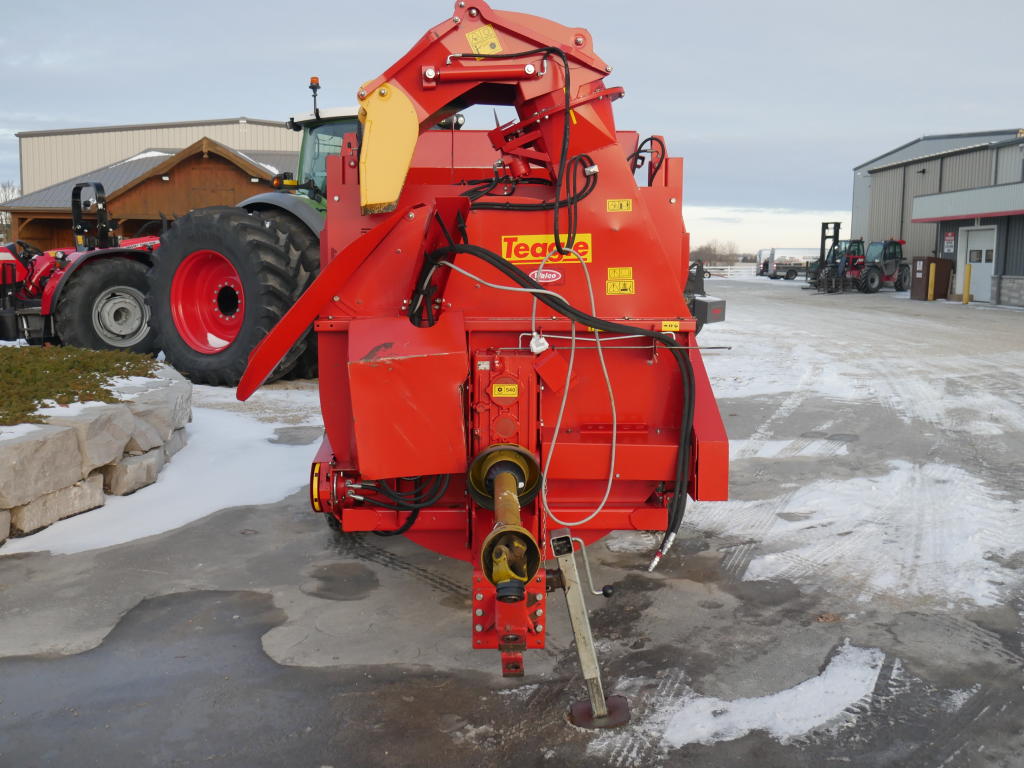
column 257, row 636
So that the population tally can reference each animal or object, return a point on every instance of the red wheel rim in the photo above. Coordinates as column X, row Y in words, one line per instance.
column 207, row 302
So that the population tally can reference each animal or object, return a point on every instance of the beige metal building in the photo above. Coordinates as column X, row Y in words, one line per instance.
column 955, row 196
column 49, row 157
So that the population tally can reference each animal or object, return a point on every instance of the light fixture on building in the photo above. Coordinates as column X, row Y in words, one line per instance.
column 165, row 178
column 254, row 180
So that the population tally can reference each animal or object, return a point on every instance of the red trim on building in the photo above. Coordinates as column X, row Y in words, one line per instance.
column 969, row 216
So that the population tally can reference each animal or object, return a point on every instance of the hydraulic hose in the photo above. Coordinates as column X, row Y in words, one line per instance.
column 677, row 506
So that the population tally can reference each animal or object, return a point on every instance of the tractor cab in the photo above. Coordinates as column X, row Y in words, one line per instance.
column 886, row 255
column 323, row 131
column 322, row 134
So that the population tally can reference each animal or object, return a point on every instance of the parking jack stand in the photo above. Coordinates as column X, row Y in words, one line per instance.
column 600, row 711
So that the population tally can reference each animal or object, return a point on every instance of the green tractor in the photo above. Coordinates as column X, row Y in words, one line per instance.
column 226, row 275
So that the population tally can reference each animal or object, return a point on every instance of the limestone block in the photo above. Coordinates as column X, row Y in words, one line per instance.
column 144, row 437
column 50, row 507
column 176, row 443
column 133, row 472
column 167, row 406
column 102, row 431
column 5, row 524
column 43, row 460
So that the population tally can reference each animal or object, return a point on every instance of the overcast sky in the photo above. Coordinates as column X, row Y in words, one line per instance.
column 771, row 103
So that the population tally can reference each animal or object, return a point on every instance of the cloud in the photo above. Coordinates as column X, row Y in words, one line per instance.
column 755, row 228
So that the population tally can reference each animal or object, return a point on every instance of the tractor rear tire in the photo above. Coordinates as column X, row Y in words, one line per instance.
column 903, row 278
column 222, row 279
column 791, row 274
column 870, row 280
column 103, row 306
column 308, row 246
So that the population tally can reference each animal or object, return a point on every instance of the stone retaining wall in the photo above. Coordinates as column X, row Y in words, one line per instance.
column 1008, row 289
column 69, row 464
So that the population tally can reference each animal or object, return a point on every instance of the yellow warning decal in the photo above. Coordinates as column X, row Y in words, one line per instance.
column 505, row 390
column 619, row 287
column 620, row 273
column 483, row 40
column 620, row 206
column 670, row 325
column 532, row 249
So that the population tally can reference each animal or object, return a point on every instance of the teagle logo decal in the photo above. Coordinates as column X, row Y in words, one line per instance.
column 540, row 249
column 546, row 275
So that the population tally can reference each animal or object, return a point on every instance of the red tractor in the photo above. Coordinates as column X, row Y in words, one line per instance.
column 90, row 295
column 848, row 265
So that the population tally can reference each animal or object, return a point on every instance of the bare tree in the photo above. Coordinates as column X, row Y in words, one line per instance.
column 8, row 191
column 716, row 252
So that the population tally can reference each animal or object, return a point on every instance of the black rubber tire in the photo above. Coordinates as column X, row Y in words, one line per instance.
column 267, row 268
column 97, row 294
column 307, row 245
column 870, row 280
column 791, row 274
column 903, row 278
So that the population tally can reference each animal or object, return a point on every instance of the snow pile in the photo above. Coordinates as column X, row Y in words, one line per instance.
column 849, row 677
column 919, row 531
column 228, row 461
column 682, row 716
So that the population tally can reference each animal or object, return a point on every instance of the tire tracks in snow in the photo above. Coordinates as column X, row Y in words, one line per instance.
column 763, row 513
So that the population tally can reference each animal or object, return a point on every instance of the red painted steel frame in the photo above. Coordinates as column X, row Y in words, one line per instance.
column 42, row 278
column 631, row 242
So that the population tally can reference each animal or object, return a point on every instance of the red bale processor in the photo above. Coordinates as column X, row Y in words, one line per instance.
column 508, row 368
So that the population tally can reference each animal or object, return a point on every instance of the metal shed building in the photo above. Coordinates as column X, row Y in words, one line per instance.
column 953, row 196
column 49, row 157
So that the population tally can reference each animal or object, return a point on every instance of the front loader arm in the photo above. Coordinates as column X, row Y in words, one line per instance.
column 478, row 56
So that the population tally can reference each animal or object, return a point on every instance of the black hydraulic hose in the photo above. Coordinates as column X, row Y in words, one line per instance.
column 439, row 487
column 634, row 159
column 403, row 528
column 546, row 205
column 677, row 506
column 564, row 154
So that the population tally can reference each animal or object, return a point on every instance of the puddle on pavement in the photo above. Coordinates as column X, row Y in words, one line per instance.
column 341, row 581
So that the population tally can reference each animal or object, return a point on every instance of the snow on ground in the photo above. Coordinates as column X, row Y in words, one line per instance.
column 921, row 529
column 17, row 430
column 228, row 461
column 686, row 717
column 283, row 403
column 926, row 531
column 849, row 676
column 778, row 449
